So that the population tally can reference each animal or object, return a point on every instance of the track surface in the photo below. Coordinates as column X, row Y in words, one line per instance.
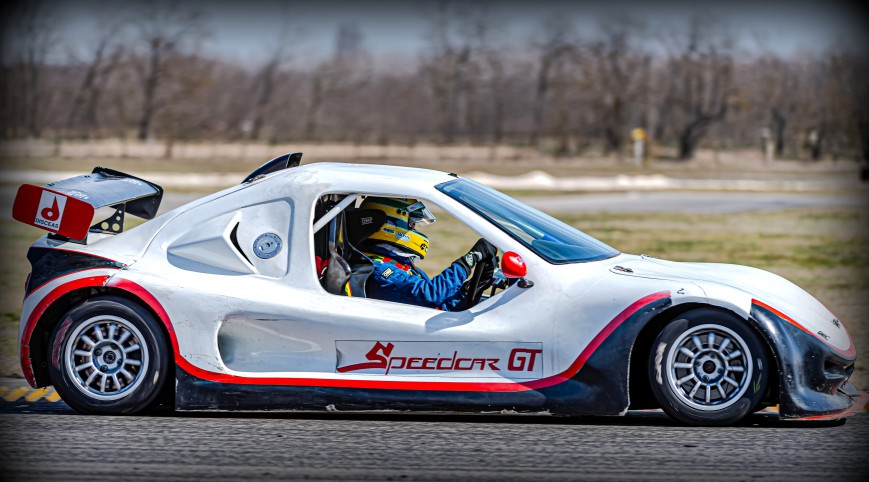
column 49, row 442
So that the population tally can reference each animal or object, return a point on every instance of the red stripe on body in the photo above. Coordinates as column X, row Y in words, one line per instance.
column 39, row 310
column 143, row 294
column 34, row 290
column 849, row 353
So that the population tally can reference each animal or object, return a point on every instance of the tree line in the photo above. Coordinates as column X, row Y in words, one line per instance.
column 565, row 91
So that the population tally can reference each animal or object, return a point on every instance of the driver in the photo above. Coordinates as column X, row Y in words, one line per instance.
column 396, row 247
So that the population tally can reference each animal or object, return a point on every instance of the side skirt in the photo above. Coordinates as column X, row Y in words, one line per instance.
column 600, row 387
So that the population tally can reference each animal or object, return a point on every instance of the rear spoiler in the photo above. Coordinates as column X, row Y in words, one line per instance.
column 66, row 208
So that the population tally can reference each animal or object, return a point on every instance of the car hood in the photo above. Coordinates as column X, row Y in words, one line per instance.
column 768, row 288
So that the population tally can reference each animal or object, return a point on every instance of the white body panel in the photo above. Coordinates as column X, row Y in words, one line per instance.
column 734, row 287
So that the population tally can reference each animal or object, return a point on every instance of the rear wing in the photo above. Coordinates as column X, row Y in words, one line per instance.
column 66, row 208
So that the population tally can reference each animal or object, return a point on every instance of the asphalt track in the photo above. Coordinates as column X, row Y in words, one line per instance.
column 45, row 441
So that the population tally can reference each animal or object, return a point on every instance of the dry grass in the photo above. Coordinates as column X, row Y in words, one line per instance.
column 233, row 157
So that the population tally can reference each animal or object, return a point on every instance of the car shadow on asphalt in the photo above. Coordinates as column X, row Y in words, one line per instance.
column 638, row 418
column 632, row 418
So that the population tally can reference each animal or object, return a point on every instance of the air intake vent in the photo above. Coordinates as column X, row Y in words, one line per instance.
column 233, row 236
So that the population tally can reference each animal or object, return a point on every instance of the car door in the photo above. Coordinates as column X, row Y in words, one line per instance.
column 365, row 339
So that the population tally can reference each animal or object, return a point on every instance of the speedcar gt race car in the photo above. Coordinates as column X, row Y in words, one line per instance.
column 238, row 301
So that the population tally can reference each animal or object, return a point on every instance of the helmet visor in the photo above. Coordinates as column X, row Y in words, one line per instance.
column 419, row 214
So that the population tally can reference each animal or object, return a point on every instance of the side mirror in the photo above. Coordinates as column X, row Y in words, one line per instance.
column 513, row 266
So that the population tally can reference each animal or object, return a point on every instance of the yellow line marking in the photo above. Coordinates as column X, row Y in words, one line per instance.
column 37, row 394
column 3, row 390
column 54, row 397
column 16, row 394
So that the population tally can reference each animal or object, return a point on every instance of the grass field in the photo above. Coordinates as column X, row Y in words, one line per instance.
column 824, row 251
column 736, row 166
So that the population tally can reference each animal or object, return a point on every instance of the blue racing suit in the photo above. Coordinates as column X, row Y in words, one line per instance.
column 395, row 278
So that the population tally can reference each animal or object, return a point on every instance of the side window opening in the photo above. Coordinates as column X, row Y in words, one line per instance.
column 343, row 247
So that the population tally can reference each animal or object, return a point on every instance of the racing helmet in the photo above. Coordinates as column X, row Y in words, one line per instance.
column 402, row 216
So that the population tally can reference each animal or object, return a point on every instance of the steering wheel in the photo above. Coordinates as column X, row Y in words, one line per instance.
column 476, row 285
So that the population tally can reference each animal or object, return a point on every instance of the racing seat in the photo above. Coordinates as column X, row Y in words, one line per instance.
column 348, row 268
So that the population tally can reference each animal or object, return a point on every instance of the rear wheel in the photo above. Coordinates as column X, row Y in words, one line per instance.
column 108, row 355
column 708, row 368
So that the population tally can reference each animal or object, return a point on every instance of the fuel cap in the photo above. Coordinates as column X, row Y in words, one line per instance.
column 267, row 245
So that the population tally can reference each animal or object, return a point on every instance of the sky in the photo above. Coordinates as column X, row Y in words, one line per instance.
column 394, row 32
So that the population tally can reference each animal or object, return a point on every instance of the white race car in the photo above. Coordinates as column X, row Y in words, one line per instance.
column 229, row 296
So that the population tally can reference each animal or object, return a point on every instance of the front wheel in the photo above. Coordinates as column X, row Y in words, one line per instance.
column 708, row 368
column 108, row 356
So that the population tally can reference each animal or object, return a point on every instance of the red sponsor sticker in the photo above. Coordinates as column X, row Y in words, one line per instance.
column 52, row 211
column 515, row 360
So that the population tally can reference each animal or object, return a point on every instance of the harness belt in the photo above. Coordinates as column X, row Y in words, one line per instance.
column 409, row 269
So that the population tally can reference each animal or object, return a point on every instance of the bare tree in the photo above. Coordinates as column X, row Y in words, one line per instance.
column 615, row 68
column 557, row 47
column 848, row 95
column 773, row 86
column 316, row 98
column 189, row 83
column 163, row 29
column 348, row 84
column 493, row 71
column 447, row 67
column 32, row 39
column 700, row 72
column 267, row 76
column 104, row 55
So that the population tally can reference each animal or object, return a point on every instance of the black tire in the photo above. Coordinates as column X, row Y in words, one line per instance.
column 715, row 400
column 136, row 338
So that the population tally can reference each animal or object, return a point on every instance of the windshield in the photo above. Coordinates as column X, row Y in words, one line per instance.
column 546, row 236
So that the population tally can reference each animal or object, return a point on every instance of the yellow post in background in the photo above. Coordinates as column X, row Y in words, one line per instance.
column 639, row 136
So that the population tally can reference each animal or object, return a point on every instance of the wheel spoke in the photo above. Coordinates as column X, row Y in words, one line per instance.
column 115, row 381
column 697, row 342
column 106, row 377
column 87, row 340
column 112, row 329
column 684, row 379
column 91, row 377
column 736, row 368
column 132, row 348
column 710, row 340
column 733, row 355
column 687, row 352
column 724, row 344
column 82, row 353
column 682, row 365
column 694, row 390
column 126, row 374
column 730, row 381
column 721, row 391
column 83, row 366
column 124, row 337
column 99, row 333
column 708, row 393
column 130, row 361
